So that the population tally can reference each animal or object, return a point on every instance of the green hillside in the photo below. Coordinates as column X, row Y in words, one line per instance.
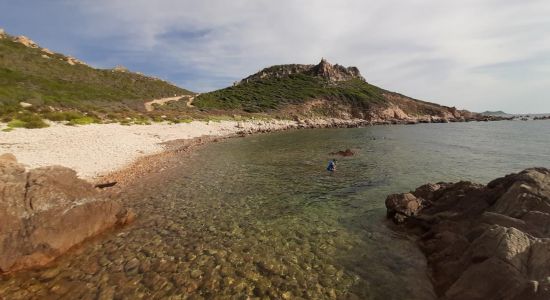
column 45, row 79
column 272, row 94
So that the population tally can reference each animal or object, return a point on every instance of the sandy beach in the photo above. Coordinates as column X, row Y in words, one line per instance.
column 99, row 149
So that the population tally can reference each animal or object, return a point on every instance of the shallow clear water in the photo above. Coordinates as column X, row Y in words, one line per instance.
column 260, row 217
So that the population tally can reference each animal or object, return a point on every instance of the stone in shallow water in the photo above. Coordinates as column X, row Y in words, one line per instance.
column 196, row 273
column 106, row 293
column 132, row 264
column 49, row 274
column 103, row 261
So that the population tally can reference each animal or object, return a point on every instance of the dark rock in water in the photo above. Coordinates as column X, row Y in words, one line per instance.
column 105, row 185
column 346, row 152
column 483, row 242
column 46, row 211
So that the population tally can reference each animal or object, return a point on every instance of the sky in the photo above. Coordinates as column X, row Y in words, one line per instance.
column 476, row 55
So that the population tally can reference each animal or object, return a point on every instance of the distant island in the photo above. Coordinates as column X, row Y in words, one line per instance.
column 499, row 113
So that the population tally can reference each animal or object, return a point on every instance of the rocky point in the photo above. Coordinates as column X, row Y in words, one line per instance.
column 483, row 241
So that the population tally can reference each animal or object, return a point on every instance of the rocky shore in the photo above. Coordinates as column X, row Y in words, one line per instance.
column 482, row 242
column 46, row 211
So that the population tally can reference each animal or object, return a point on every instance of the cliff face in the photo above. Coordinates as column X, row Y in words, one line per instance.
column 325, row 70
column 483, row 242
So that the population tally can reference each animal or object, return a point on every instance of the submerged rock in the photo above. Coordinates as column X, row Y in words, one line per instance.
column 483, row 242
column 46, row 211
column 347, row 152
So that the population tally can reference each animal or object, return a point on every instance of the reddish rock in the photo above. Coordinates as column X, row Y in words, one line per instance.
column 347, row 152
column 46, row 211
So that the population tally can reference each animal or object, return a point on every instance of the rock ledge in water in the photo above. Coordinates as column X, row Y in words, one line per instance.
column 483, row 242
column 347, row 152
column 46, row 211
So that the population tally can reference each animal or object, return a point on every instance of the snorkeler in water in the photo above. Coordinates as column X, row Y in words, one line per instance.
column 331, row 165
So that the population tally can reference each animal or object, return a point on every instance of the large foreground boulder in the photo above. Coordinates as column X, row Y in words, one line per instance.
column 483, row 242
column 46, row 211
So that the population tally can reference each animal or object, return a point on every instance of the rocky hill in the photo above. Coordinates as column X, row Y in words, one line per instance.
column 43, row 79
column 483, row 242
column 324, row 90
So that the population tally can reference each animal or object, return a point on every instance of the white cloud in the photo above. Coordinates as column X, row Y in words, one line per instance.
column 451, row 52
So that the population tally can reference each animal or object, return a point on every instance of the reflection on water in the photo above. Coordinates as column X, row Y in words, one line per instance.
column 259, row 217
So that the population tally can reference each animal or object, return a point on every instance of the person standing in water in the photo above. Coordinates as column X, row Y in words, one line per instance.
column 331, row 165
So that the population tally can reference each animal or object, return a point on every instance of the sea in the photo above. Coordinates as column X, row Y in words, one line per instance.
column 259, row 217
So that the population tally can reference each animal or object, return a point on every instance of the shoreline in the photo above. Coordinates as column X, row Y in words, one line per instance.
column 98, row 152
column 101, row 153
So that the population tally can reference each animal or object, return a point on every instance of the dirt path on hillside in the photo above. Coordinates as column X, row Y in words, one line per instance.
column 149, row 105
column 190, row 100
column 161, row 101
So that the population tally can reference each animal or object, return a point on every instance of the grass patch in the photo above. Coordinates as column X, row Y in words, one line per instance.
column 16, row 124
column 30, row 121
column 180, row 120
column 82, row 121
column 141, row 121
column 60, row 116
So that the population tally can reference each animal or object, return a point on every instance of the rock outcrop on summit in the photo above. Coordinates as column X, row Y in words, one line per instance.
column 335, row 72
column 325, row 70
column 483, row 242
column 46, row 211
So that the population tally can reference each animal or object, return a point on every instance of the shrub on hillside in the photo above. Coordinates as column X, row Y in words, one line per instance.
column 27, row 120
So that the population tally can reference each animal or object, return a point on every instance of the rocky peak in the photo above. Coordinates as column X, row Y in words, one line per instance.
column 25, row 41
column 336, row 72
column 329, row 72
column 120, row 68
column 47, row 53
column 73, row 61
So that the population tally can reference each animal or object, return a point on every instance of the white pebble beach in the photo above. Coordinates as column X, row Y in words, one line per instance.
column 98, row 149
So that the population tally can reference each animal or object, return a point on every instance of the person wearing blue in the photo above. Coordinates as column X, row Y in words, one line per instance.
column 331, row 165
